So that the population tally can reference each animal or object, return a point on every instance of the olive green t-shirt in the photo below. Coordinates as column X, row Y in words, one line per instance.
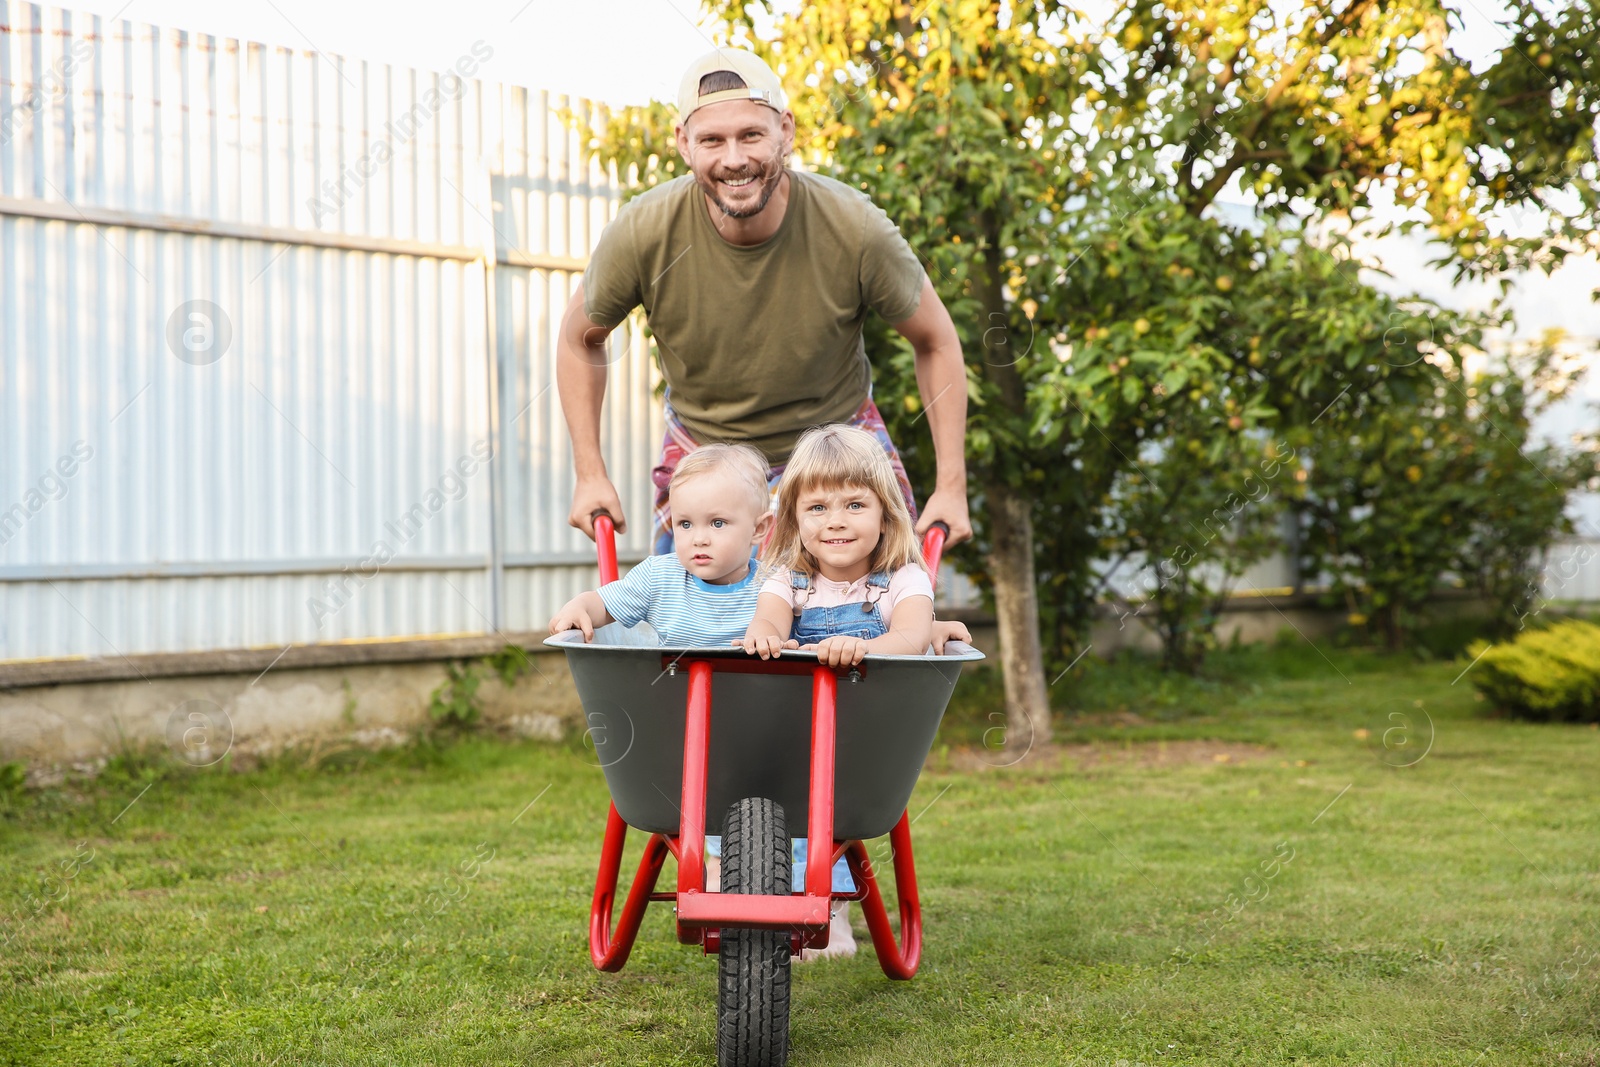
column 756, row 343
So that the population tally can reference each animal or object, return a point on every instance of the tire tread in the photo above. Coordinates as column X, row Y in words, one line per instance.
column 753, row 968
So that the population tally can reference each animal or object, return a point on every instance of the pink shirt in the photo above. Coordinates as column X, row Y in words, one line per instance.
column 909, row 581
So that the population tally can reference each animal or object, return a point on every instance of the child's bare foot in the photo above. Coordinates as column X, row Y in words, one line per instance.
column 713, row 874
column 841, row 941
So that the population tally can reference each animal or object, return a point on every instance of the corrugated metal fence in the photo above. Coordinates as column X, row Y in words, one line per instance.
column 264, row 316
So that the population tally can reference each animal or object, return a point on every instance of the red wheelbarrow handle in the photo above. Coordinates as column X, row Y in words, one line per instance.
column 605, row 544
column 933, row 548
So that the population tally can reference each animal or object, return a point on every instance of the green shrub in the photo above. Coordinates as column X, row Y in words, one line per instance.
column 454, row 704
column 13, row 776
column 1544, row 674
column 1420, row 484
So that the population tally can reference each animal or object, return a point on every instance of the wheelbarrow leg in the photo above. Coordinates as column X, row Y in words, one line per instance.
column 819, row 829
column 692, row 812
column 609, row 952
column 900, row 960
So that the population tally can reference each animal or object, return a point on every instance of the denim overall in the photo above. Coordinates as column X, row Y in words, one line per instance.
column 863, row 619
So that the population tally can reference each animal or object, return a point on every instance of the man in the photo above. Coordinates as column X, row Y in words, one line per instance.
column 755, row 280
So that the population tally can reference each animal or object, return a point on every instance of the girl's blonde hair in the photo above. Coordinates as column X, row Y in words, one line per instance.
column 836, row 457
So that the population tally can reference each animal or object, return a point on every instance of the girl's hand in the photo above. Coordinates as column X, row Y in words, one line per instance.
column 767, row 646
column 768, row 632
column 839, row 651
column 949, row 631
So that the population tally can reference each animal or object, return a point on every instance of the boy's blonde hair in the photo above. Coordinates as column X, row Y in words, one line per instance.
column 741, row 462
column 836, row 457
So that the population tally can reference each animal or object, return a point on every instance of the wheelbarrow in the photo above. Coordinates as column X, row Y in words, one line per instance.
column 868, row 729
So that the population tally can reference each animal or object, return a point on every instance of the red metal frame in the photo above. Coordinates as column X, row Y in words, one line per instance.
column 610, row 953
column 898, row 960
column 692, row 812
column 701, row 915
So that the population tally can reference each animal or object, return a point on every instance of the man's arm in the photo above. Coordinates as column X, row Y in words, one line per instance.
column 581, row 382
column 942, row 381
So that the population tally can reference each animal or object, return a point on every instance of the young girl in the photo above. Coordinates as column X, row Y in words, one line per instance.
column 849, row 578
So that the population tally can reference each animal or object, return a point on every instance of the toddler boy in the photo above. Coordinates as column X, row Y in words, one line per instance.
column 704, row 593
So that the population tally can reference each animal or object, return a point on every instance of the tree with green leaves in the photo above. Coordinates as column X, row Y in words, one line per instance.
column 1524, row 484
column 1195, row 525
column 1412, row 489
column 1060, row 178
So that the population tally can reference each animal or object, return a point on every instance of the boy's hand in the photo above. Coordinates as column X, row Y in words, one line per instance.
column 839, row 651
column 949, row 631
column 573, row 617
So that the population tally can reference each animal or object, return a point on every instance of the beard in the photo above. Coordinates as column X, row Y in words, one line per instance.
column 766, row 175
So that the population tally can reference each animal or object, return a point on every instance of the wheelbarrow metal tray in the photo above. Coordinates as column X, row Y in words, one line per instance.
column 760, row 730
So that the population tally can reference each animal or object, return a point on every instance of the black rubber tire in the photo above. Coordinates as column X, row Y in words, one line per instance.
column 753, row 968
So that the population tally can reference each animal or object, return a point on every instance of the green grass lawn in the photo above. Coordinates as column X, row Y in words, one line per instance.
column 1215, row 871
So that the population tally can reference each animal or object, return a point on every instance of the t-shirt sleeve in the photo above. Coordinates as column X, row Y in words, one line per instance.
column 779, row 586
column 891, row 274
column 611, row 287
column 908, row 581
column 629, row 598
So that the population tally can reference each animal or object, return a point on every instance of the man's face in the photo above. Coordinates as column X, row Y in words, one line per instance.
column 715, row 524
column 736, row 150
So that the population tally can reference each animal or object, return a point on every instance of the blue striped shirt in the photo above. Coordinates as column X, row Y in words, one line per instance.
column 685, row 611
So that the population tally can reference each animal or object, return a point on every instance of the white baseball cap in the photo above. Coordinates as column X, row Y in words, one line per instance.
column 761, row 85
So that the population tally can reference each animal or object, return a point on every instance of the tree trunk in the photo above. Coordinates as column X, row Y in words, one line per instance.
column 1016, row 609
column 1016, row 603
column 1394, row 635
